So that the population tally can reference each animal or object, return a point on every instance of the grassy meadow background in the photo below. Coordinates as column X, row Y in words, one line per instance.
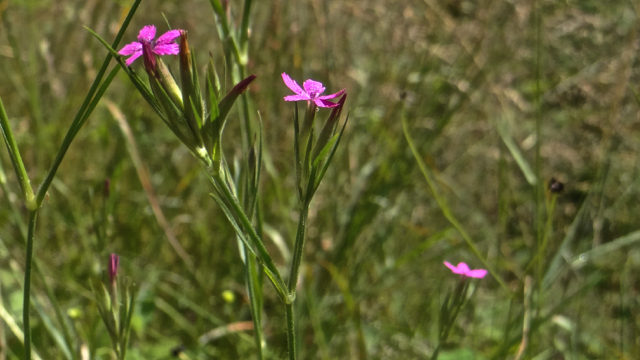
column 470, row 81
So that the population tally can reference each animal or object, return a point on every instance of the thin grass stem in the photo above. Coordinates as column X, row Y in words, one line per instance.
column 538, row 186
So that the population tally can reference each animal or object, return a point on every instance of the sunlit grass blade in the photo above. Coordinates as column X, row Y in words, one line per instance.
column 604, row 249
column 517, row 156
column 11, row 323
column 176, row 316
column 56, row 335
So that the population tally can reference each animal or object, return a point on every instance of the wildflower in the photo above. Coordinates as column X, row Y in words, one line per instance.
column 463, row 269
column 164, row 45
column 311, row 92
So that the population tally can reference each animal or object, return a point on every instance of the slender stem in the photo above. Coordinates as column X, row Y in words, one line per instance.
column 224, row 27
column 539, row 185
column 251, row 271
column 26, row 304
column 291, row 334
column 298, row 247
column 293, row 276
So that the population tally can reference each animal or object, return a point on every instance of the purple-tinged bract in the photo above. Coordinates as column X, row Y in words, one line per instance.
column 311, row 92
column 163, row 45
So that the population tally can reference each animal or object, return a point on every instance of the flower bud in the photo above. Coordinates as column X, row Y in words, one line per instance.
column 114, row 263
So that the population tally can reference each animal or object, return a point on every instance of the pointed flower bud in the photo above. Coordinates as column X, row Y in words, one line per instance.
column 149, row 59
column 328, row 129
column 193, row 104
column 114, row 263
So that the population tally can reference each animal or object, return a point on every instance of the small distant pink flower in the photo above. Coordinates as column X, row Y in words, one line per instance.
column 311, row 92
column 164, row 45
column 463, row 269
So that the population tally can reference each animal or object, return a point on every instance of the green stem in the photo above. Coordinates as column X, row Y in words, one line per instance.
column 26, row 305
column 291, row 335
column 226, row 35
column 251, row 276
column 293, row 276
column 298, row 248
column 538, row 189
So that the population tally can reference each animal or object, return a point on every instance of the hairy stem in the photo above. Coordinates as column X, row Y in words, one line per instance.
column 291, row 335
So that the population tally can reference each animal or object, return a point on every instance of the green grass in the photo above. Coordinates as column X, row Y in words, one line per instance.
column 462, row 74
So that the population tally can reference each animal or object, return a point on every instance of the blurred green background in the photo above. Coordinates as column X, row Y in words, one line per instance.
column 465, row 77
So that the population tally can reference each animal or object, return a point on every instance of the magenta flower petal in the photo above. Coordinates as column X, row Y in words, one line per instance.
column 168, row 37
column 162, row 46
column 325, row 103
column 295, row 98
column 463, row 269
column 133, row 58
column 313, row 88
column 454, row 269
column 168, row 49
column 478, row 273
column 327, row 97
column 291, row 84
column 131, row 49
column 147, row 33
column 311, row 92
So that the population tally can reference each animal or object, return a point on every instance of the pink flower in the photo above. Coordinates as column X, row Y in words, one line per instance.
column 463, row 269
column 164, row 45
column 311, row 92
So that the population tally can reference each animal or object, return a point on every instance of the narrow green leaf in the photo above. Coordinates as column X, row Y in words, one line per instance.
column 16, row 159
column 325, row 167
column 601, row 250
column 52, row 329
column 517, row 156
column 227, row 102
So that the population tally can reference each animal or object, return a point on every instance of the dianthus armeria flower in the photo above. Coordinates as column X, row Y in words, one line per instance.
column 311, row 92
column 164, row 45
column 463, row 269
